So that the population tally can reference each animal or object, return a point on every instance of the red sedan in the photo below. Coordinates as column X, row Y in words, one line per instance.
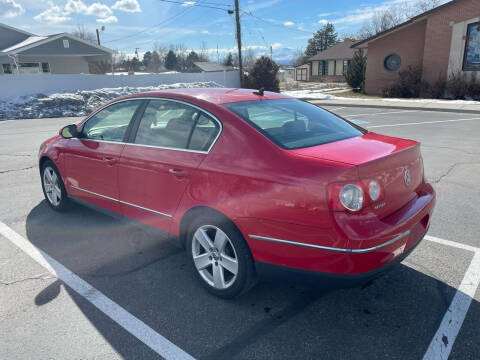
column 248, row 182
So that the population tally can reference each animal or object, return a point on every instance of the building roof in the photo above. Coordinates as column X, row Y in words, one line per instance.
column 342, row 50
column 211, row 66
column 28, row 41
column 411, row 21
column 34, row 41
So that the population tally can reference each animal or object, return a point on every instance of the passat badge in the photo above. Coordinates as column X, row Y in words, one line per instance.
column 407, row 177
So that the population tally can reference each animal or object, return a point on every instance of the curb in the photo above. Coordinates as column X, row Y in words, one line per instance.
column 393, row 107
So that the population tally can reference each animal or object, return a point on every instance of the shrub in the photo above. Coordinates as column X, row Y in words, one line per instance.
column 408, row 85
column 355, row 75
column 263, row 74
column 457, row 87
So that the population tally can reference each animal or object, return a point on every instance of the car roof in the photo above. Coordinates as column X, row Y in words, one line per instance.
column 213, row 95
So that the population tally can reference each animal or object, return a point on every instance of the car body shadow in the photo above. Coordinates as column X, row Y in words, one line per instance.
column 150, row 276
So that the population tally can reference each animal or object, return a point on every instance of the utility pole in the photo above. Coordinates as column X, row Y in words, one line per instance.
column 271, row 52
column 98, row 38
column 239, row 41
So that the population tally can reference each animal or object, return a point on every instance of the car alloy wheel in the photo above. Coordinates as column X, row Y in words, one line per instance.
column 214, row 257
column 51, row 185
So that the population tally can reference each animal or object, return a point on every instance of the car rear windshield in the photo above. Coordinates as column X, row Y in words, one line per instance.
column 294, row 124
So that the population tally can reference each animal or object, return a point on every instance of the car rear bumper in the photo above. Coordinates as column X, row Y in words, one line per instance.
column 339, row 250
column 268, row 271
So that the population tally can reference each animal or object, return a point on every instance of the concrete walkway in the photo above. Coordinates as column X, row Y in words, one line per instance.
column 400, row 104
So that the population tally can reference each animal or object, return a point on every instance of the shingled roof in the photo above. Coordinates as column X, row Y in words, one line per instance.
column 342, row 50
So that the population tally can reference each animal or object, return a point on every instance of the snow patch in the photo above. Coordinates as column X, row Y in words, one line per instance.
column 79, row 103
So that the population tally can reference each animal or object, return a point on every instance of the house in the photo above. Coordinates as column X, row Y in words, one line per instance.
column 205, row 66
column 24, row 53
column 444, row 41
column 329, row 65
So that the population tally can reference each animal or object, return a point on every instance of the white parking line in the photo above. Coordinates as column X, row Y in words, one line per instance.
column 337, row 108
column 384, row 113
column 452, row 243
column 423, row 122
column 442, row 343
column 122, row 317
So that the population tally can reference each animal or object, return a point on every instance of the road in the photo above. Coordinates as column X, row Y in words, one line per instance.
column 403, row 315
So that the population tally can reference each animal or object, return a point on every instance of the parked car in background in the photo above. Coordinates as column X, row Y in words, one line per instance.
column 248, row 182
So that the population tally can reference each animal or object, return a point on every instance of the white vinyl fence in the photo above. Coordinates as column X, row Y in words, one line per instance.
column 12, row 86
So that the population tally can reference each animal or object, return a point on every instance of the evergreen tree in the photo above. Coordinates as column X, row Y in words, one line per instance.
column 171, row 61
column 191, row 58
column 322, row 40
column 228, row 60
column 147, row 58
column 264, row 75
column 355, row 76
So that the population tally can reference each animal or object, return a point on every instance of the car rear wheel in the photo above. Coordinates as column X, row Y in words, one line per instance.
column 53, row 187
column 220, row 256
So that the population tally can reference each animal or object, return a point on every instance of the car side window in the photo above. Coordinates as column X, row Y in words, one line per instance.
column 110, row 123
column 205, row 131
column 166, row 124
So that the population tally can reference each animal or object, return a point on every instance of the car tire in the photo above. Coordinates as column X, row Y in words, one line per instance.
column 53, row 187
column 220, row 256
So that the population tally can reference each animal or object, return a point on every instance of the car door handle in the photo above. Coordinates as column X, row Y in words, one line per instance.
column 110, row 160
column 178, row 173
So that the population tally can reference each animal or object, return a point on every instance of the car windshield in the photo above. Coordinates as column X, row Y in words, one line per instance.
column 294, row 124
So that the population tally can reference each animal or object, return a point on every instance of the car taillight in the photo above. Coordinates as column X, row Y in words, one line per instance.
column 353, row 196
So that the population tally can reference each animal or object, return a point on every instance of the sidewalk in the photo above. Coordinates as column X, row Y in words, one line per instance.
column 425, row 105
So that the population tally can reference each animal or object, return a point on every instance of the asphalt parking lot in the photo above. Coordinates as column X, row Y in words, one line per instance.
column 123, row 292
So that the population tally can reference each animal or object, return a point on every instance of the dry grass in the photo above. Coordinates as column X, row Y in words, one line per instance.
column 353, row 95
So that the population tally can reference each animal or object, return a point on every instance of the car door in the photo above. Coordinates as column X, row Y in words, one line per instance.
column 91, row 159
column 170, row 141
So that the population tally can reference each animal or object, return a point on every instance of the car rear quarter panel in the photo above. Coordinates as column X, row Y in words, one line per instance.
column 263, row 188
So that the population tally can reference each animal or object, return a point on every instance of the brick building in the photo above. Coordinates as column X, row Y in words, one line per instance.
column 444, row 41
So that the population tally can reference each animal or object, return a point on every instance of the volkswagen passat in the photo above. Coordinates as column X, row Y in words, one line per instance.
column 248, row 182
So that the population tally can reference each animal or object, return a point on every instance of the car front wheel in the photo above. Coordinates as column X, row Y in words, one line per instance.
column 53, row 187
column 220, row 256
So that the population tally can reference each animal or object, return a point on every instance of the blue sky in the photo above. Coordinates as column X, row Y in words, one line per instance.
column 286, row 25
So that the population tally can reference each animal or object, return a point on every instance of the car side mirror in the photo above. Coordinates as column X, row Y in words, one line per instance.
column 69, row 131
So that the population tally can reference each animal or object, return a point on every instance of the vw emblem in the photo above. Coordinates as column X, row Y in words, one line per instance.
column 407, row 177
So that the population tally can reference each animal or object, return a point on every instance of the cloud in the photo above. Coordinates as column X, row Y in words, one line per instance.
column 99, row 10
column 108, row 20
column 288, row 23
column 204, row 32
column 189, row 3
column 323, row 21
column 76, row 7
column 54, row 15
column 262, row 5
column 127, row 5
column 276, row 45
column 10, row 9
column 365, row 13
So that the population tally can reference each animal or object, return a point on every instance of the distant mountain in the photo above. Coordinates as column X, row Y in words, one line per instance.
column 284, row 56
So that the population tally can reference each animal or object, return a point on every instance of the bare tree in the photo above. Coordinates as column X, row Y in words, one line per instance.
column 394, row 15
column 82, row 33
column 299, row 57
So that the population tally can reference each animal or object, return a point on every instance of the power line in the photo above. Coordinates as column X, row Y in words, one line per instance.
column 151, row 27
column 192, row 3
column 271, row 22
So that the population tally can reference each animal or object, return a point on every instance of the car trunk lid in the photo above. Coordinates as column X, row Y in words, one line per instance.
column 393, row 162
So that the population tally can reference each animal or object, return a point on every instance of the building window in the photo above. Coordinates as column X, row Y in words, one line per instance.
column 322, row 68
column 392, row 62
column 7, row 68
column 346, row 66
column 45, row 67
column 29, row 68
column 471, row 57
column 66, row 44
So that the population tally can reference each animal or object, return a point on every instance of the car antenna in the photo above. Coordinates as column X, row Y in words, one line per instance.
column 259, row 92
